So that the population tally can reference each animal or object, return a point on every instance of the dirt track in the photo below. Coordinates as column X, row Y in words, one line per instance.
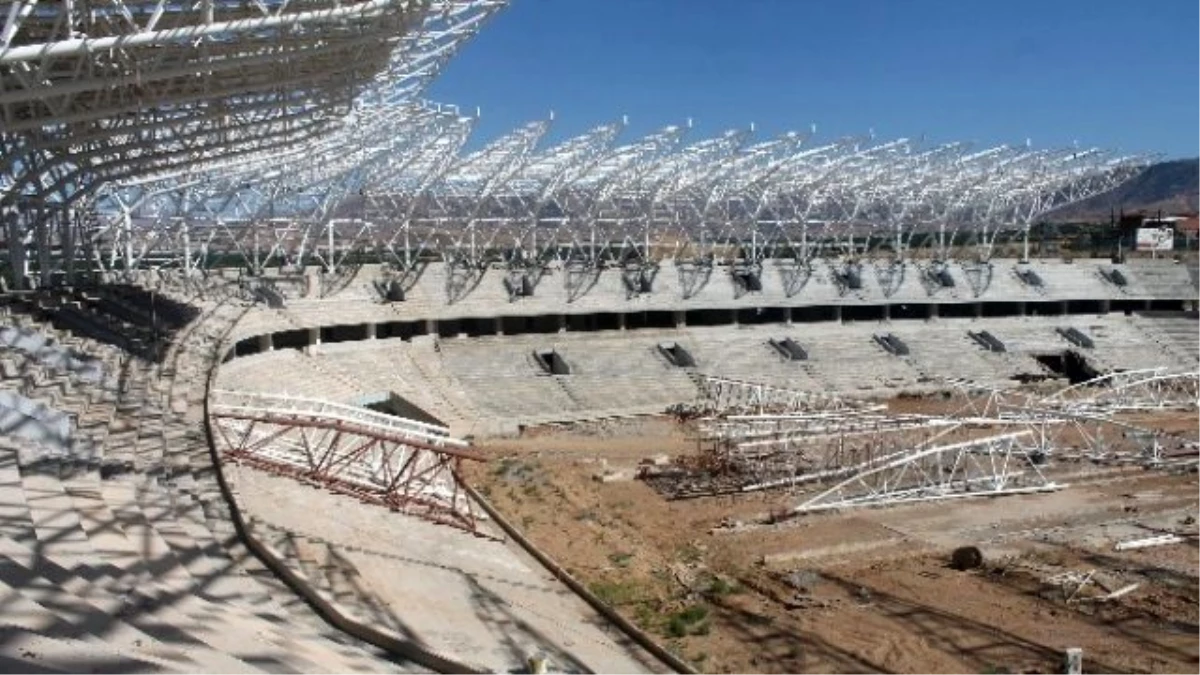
column 862, row 590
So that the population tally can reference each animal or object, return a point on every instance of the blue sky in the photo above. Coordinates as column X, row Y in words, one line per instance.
column 1109, row 73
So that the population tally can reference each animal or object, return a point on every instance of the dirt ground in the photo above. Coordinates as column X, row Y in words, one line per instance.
column 865, row 589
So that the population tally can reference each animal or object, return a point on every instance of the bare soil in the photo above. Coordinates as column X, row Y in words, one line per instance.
column 867, row 589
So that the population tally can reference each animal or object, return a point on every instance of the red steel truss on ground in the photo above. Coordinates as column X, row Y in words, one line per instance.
column 406, row 465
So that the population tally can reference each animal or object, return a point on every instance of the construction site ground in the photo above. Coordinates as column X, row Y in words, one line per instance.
column 864, row 589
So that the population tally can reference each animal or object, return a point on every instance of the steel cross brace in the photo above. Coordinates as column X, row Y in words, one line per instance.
column 398, row 465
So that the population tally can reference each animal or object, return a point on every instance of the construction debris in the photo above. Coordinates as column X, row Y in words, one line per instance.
column 613, row 475
column 1159, row 540
column 1080, row 585
column 1074, row 665
column 1090, row 586
column 1071, row 581
column 847, row 453
column 1126, row 590
column 803, row 580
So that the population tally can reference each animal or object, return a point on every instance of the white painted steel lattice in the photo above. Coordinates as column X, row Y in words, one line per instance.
column 590, row 203
column 992, row 466
column 274, row 134
column 756, row 437
column 94, row 91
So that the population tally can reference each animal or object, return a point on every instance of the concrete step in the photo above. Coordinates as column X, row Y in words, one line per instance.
column 109, row 620
column 128, row 579
column 144, row 569
column 29, row 652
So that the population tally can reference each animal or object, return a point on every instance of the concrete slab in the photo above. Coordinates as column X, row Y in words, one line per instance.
column 473, row 598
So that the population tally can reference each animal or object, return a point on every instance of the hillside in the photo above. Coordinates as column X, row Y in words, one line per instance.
column 1169, row 186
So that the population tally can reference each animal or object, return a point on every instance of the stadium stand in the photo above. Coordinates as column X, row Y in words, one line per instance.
column 1120, row 344
column 1160, row 278
column 496, row 379
column 1173, row 332
column 476, row 598
column 119, row 545
column 734, row 353
column 425, row 301
column 118, row 551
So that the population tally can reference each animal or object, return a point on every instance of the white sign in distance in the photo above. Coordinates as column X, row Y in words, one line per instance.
column 1156, row 239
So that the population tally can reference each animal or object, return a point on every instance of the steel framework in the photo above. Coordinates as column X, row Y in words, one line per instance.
column 992, row 466
column 403, row 464
column 759, row 438
column 777, row 208
column 729, row 396
column 94, row 92
column 270, row 134
column 1127, row 391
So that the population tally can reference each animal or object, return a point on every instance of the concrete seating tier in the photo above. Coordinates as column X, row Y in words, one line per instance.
column 1033, row 335
column 1079, row 280
column 143, row 573
column 472, row 384
column 739, row 352
column 1160, row 279
column 287, row 371
column 1006, row 283
column 57, row 358
column 1176, row 334
column 493, row 384
column 555, row 294
column 501, row 379
column 349, row 372
column 118, row 553
column 849, row 362
column 841, row 358
column 146, row 307
column 409, row 369
column 611, row 374
column 618, row 374
column 1122, row 345
column 107, row 318
column 482, row 600
column 944, row 350
column 99, row 429
column 30, row 420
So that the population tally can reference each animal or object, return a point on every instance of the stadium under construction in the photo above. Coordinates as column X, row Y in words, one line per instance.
column 272, row 339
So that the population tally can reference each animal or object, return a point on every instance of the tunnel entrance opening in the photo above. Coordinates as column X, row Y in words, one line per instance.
column 1069, row 364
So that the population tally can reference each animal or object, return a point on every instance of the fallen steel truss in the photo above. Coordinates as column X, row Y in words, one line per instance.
column 406, row 465
column 756, row 437
column 1129, row 391
column 739, row 397
column 985, row 467
column 773, row 451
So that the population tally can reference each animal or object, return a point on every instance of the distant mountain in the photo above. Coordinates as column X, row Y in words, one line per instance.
column 1168, row 186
